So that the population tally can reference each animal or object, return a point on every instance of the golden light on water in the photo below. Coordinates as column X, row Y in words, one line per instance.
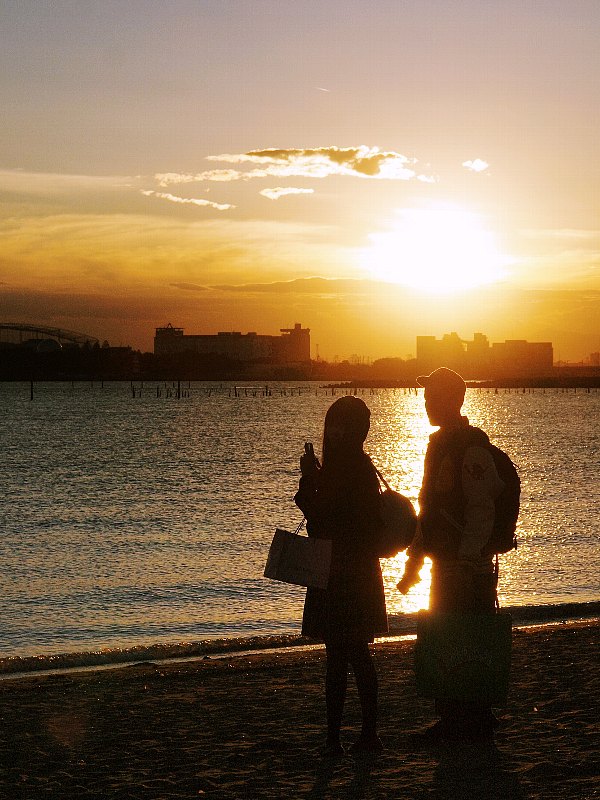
column 417, row 598
column 441, row 249
column 397, row 444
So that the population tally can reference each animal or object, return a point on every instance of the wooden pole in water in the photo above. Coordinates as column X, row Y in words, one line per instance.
column 31, row 391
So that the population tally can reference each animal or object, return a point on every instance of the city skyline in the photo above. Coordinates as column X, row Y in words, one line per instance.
column 256, row 345
column 376, row 169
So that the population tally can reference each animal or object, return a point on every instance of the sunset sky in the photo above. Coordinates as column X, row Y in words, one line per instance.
column 373, row 170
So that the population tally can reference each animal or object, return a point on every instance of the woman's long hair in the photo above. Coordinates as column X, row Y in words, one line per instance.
column 346, row 427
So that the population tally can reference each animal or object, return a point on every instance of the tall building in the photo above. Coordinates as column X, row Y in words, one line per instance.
column 449, row 351
column 477, row 359
column 291, row 347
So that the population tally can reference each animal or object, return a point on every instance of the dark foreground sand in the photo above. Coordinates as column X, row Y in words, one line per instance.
column 251, row 727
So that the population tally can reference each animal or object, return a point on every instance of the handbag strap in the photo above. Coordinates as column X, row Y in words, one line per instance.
column 382, row 479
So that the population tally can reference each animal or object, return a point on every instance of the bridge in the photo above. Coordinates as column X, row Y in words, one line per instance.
column 17, row 333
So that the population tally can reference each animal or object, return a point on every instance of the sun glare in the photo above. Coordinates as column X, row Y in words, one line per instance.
column 439, row 250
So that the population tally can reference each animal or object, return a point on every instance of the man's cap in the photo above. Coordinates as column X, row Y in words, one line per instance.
column 443, row 380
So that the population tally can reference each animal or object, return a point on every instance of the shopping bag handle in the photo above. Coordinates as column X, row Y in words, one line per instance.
column 300, row 526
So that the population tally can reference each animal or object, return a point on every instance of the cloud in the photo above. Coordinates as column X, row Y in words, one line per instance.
column 186, row 200
column 562, row 233
column 224, row 175
column 49, row 183
column 280, row 191
column 320, row 162
column 99, row 252
column 190, row 287
column 316, row 285
column 476, row 165
column 560, row 257
column 363, row 161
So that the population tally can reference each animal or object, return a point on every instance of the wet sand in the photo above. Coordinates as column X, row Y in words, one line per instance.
column 251, row 727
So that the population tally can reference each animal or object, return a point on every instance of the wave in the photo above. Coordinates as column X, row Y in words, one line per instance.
column 521, row 615
column 399, row 624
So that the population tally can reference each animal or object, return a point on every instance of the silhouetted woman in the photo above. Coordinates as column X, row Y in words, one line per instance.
column 340, row 500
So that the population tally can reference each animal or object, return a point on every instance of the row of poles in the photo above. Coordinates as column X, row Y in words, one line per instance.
column 178, row 390
column 291, row 391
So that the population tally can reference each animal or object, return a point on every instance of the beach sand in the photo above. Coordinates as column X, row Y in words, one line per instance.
column 251, row 726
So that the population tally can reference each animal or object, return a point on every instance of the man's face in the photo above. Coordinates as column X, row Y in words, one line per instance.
column 441, row 406
column 433, row 403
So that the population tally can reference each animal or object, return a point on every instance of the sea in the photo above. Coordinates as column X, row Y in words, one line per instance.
column 137, row 518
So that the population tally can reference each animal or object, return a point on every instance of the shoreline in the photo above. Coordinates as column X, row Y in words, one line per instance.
column 243, row 728
column 15, row 667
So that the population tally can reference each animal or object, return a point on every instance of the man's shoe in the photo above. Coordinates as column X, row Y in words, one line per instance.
column 434, row 735
column 443, row 731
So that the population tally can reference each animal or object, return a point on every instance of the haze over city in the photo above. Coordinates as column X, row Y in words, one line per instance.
column 373, row 170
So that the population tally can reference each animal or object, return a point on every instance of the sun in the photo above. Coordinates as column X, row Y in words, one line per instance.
column 438, row 250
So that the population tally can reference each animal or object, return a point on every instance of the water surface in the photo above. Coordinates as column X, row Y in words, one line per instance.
column 138, row 521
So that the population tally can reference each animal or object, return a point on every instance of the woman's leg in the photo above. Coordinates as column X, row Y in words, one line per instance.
column 336, row 682
column 367, row 685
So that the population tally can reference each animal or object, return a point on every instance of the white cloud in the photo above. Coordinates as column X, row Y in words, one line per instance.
column 476, row 165
column 321, row 162
column 170, row 178
column 281, row 191
column 186, row 200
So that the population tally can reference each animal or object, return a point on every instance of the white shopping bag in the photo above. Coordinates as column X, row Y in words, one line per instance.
column 298, row 559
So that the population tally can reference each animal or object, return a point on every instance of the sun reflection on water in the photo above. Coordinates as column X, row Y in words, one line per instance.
column 397, row 444
column 417, row 598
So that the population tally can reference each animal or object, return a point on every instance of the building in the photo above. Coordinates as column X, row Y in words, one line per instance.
column 477, row 359
column 518, row 357
column 291, row 347
column 449, row 351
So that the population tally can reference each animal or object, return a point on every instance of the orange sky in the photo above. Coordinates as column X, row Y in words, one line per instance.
column 373, row 171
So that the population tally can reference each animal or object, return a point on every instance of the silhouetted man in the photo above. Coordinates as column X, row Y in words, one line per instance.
column 460, row 484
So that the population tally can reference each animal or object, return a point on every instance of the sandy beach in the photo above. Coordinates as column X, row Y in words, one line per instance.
column 251, row 727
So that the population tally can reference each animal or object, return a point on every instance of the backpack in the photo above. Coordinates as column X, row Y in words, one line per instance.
column 507, row 504
column 443, row 523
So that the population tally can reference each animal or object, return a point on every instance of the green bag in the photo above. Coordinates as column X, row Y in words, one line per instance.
column 464, row 657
